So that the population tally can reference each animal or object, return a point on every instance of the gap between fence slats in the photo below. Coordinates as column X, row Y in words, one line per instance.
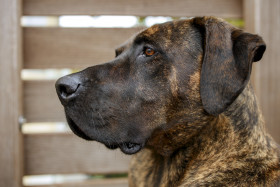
column 91, row 183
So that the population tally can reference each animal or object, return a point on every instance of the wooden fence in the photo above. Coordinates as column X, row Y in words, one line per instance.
column 41, row 48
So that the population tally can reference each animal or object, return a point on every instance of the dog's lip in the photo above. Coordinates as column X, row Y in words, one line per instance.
column 112, row 146
column 126, row 147
column 130, row 148
column 75, row 128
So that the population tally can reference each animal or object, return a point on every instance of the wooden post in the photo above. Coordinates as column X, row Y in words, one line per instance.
column 263, row 17
column 11, row 167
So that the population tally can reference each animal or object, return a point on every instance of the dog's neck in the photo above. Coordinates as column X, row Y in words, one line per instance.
column 241, row 118
column 236, row 133
column 244, row 113
column 238, row 140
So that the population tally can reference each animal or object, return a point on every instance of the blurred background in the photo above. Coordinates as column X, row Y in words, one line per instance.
column 42, row 40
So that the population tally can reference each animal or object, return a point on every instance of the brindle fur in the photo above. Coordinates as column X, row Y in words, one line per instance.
column 231, row 149
column 190, row 106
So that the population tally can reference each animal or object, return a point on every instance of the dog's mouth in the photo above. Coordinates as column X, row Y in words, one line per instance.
column 76, row 129
column 126, row 147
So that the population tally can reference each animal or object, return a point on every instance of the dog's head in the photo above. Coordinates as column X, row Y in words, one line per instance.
column 166, row 80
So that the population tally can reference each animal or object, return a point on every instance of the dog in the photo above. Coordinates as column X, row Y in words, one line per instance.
column 178, row 98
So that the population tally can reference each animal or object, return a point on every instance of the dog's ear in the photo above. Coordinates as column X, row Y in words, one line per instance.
column 227, row 62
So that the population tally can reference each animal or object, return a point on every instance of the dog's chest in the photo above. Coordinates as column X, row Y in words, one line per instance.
column 147, row 170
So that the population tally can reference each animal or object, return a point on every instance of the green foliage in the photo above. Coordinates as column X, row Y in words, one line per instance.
column 109, row 176
column 236, row 22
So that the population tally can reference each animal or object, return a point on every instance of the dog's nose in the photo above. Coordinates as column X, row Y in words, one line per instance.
column 67, row 88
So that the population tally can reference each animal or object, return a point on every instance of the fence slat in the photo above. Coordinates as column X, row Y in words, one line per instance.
column 71, row 47
column 220, row 8
column 41, row 103
column 64, row 153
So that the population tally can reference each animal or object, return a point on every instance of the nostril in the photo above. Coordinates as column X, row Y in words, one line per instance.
column 63, row 91
column 68, row 90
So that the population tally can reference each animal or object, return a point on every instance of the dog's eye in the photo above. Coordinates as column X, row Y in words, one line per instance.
column 149, row 51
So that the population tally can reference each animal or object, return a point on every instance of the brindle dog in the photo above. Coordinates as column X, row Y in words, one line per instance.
column 180, row 93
